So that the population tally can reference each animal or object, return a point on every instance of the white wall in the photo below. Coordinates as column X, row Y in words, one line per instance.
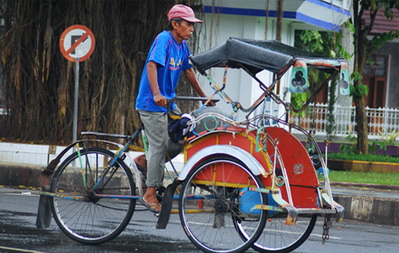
column 240, row 86
column 41, row 155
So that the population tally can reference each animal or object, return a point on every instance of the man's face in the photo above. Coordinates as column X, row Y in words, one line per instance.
column 184, row 29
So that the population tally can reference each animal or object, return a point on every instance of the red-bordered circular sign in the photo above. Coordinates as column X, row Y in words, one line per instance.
column 77, row 43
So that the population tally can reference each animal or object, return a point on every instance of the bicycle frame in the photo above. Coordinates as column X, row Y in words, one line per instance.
column 122, row 152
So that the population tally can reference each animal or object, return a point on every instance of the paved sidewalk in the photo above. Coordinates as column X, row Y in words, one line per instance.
column 364, row 202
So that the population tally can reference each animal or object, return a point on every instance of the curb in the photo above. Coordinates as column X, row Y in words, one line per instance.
column 368, row 202
column 369, row 209
column 20, row 175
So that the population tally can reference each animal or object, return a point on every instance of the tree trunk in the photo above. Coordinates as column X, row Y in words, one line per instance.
column 279, row 25
column 362, row 126
column 360, row 47
column 359, row 99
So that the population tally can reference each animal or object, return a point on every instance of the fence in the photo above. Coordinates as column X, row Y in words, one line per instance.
column 381, row 121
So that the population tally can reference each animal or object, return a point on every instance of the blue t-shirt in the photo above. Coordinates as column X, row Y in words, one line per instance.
column 171, row 58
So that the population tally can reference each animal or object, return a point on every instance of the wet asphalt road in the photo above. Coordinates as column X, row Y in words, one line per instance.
column 18, row 233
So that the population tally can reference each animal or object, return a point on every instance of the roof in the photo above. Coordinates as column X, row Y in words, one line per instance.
column 323, row 14
column 382, row 24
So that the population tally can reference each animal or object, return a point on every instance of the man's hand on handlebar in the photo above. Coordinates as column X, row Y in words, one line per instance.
column 160, row 100
column 211, row 103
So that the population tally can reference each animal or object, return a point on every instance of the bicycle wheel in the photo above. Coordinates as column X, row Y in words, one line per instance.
column 277, row 237
column 80, row 213
column 214, row 197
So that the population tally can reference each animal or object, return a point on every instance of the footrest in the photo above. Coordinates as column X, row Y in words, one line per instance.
column 339, row 216
column 337, row 208
column 292, row 215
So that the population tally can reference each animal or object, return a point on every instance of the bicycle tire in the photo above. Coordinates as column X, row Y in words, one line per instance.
column 277, row 237
column 92, row 219
column 209, row 195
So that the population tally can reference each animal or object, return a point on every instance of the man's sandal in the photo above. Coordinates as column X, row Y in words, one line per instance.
column 153, row 206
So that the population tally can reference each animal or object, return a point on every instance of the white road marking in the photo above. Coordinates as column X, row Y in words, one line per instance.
column 20, row 250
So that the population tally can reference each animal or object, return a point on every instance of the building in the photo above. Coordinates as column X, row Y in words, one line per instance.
column 380, row 74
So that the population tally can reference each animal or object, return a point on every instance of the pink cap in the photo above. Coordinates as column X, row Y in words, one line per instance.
column 184, row 12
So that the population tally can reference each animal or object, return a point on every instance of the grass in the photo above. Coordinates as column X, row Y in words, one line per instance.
column 366, row 157
column 364, row 177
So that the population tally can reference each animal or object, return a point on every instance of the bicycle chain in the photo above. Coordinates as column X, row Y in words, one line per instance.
column 326, row 227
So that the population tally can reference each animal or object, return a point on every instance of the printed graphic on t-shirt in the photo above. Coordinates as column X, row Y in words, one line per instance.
column 173, row 65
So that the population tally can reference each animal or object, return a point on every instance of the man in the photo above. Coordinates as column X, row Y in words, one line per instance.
column 168, row 57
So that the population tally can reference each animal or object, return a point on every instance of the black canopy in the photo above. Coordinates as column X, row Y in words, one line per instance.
column 253, row 55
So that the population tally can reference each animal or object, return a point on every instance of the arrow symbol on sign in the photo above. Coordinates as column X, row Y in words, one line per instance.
column 76, row 40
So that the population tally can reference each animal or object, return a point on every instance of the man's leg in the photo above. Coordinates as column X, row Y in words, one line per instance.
column 155, row 127
column 173, row 148
column 141, row 160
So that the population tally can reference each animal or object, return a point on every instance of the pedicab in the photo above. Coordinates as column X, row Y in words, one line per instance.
column 245, row 183
column 293, row 195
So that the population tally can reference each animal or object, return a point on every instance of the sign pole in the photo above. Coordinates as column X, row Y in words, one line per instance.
column 76, row 104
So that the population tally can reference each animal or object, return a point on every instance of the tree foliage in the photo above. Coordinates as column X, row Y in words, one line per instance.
column 363, row 48
column 38, row 82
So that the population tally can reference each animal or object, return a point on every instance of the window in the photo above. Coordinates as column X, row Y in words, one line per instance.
column 375, row 77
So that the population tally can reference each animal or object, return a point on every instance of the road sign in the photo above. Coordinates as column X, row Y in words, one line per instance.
column 77, row 43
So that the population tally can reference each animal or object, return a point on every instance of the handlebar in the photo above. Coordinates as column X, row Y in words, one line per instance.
column 189, row 98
